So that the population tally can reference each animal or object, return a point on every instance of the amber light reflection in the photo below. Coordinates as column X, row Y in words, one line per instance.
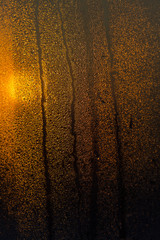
column 7, row 85
column 15, row 88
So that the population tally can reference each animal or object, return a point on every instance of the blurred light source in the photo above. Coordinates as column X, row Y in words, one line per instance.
column 11, row 87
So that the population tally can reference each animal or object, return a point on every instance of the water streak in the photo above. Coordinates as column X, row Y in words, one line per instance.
column 73, row 132
column 90, row 76
column 43, row 100
column 120, row 174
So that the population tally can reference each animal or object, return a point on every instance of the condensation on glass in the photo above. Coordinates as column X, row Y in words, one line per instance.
column 79, row 128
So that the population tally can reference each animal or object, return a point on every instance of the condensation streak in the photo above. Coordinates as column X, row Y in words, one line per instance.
column 73, row 132
column 49, row 206
column 120, row 174
column 90, row 76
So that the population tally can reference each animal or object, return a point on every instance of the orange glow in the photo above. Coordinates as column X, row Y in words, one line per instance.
column 14, row 87
column 11, row 87
column 7, row 88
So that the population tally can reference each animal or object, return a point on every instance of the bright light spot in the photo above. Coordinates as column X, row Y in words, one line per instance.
column 20, row 88
column 11, row 88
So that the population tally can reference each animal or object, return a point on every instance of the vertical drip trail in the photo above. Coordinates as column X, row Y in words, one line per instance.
column 73, row 132
column 46, row 164
column 90, row 76
column 120, row 176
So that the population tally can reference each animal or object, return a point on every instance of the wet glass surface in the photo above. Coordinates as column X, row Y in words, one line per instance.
column 79, row 119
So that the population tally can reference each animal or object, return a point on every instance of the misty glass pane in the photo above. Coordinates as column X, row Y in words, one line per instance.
column 79, row 119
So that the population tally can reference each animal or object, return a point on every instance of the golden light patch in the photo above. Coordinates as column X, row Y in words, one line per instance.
column 25, row 88
column 11, row 88
column 19, row 88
